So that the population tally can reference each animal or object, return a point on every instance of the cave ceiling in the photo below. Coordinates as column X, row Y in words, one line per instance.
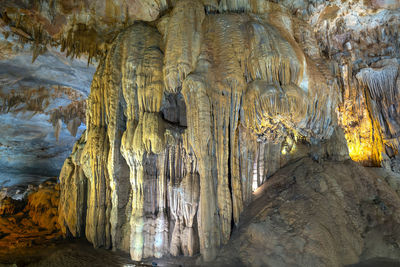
column 42, row 111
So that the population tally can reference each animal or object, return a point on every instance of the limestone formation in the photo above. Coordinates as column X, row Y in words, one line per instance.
column 183, row 36
column 72, row 213
column 197, row 103
column 154, row 187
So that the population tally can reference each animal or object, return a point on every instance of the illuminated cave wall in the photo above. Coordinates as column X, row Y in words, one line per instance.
column 185, row 118
column 363, row 40
column 42, row 112
column 370, row 112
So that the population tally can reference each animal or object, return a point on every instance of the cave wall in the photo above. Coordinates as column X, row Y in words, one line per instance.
column 185, row 118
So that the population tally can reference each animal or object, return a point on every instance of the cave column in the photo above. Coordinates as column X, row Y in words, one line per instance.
column 199, row 135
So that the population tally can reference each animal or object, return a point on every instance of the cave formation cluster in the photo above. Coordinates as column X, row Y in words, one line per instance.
column 220, row 128
column 185, row 117
column 197, row 103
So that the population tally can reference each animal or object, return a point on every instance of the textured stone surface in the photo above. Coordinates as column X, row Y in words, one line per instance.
column 355, row 35
column 311, row 214
column 31, row 221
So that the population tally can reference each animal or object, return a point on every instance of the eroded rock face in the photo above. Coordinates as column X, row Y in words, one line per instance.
column 355, row 34
column 363, row 39
column 311, row 214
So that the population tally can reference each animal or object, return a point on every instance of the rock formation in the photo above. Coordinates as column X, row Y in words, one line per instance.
column 241, row 77
column 197, row 103
column 312, row 214
column 32, row 220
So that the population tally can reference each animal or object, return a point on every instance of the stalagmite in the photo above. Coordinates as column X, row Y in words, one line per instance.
column 94, row 159
column 72, row 213
column 97, row 217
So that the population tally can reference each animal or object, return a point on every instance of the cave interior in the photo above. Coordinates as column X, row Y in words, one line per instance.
column 200, row 133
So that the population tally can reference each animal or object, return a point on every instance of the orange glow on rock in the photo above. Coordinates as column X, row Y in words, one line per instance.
column 34, row 224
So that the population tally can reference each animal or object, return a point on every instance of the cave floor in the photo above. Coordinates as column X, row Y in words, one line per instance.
column 79, row 253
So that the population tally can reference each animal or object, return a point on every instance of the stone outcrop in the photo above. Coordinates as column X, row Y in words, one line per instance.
column 313, row 214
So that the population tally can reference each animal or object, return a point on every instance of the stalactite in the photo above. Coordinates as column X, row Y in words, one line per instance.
column 183, row 40
column 37, row 100
column 226, row 91
column 264, row 102
column 235, row 5
column 81, row 39
column 380, row 82
column 384, row 91
column 371, row 127
column 272, row 58
column 199, row 118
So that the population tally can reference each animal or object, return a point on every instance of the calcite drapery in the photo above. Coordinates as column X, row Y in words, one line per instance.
column 182, row 40
column 72, row 213
column 157, row 185
column 370, row 111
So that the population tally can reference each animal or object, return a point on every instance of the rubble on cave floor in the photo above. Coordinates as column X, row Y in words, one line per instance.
column 32, row 220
